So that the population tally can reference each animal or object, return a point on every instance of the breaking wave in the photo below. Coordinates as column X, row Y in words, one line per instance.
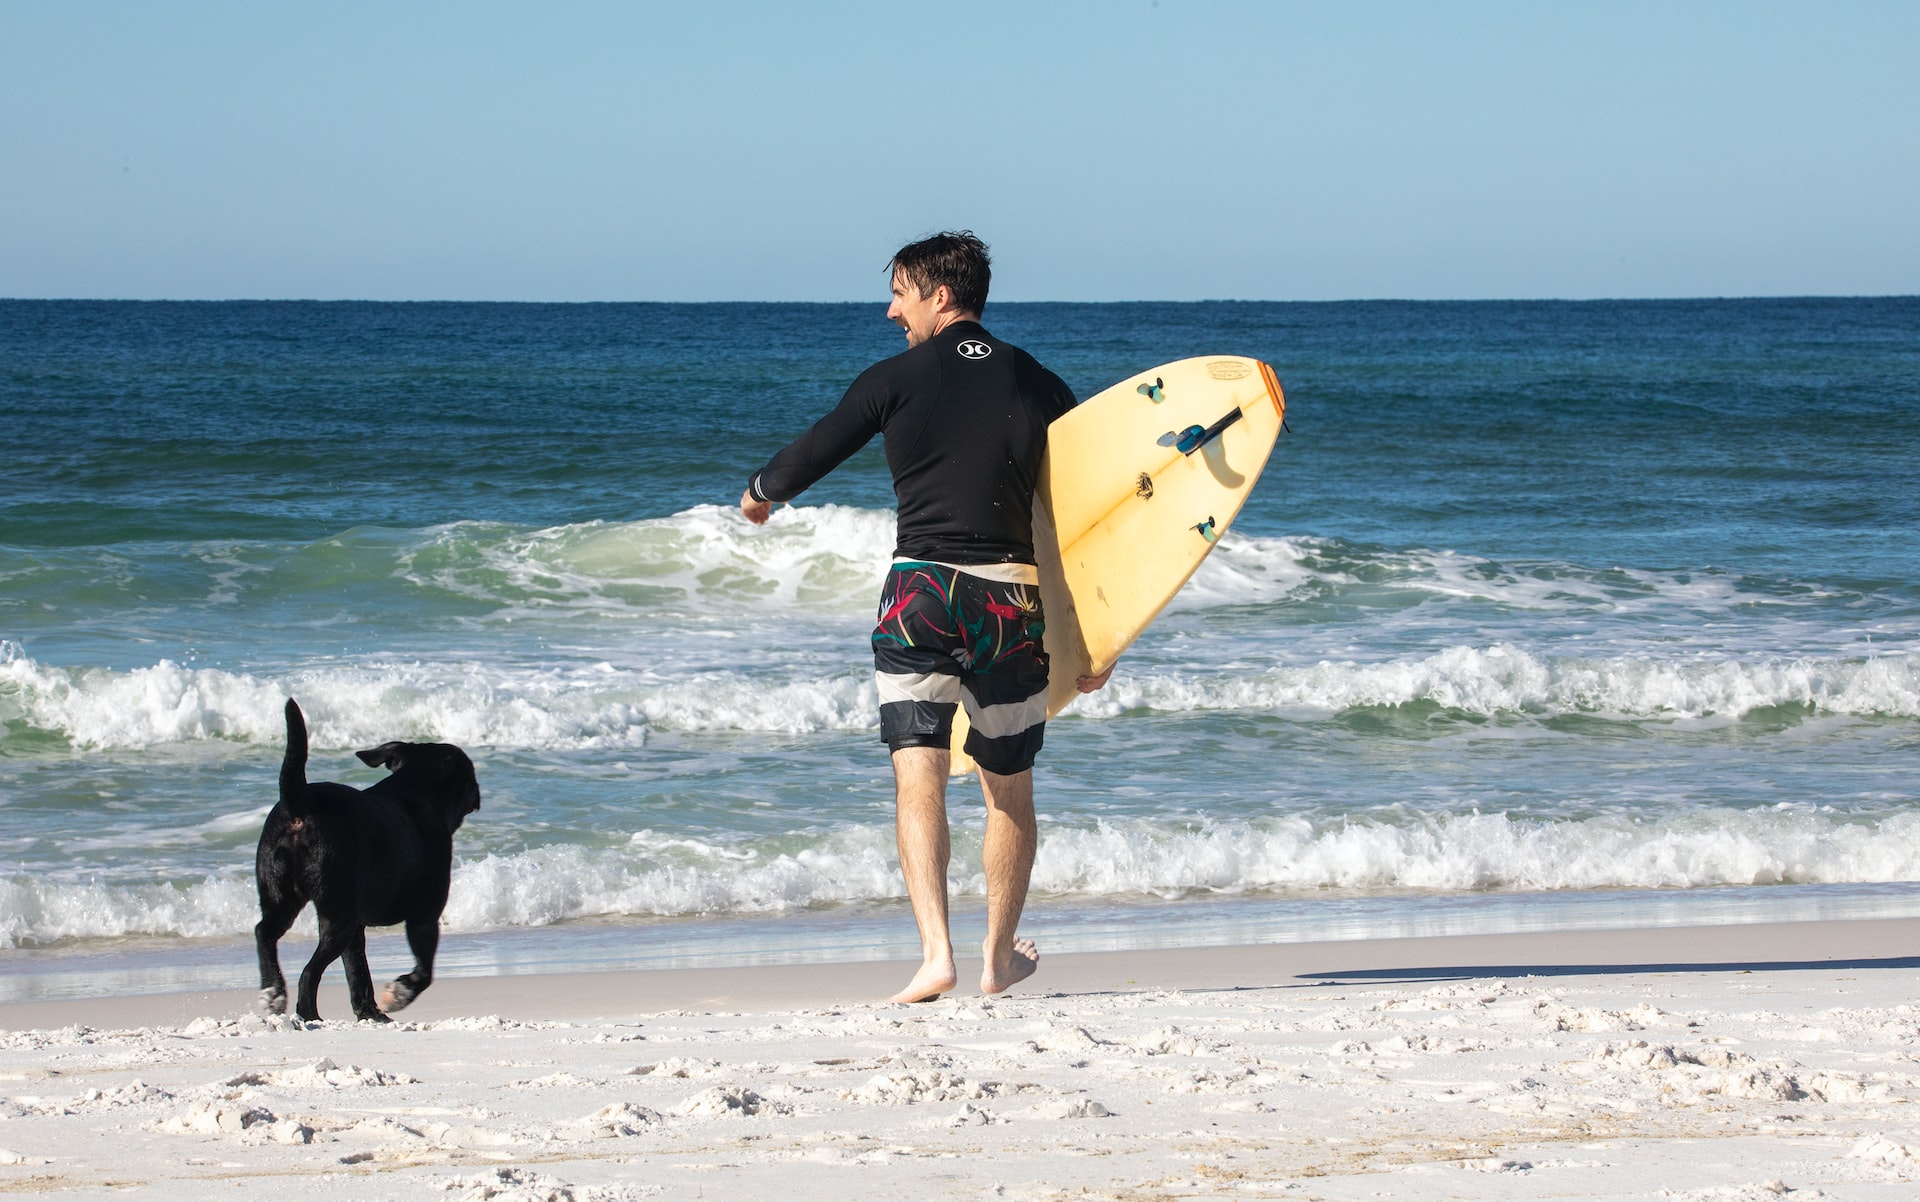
column 832, row 556
column 1500, row 679
column 822, row 558
column 600, row 706
column 655, row 874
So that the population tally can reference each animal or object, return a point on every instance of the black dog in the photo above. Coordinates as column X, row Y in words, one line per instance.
column 364, row 859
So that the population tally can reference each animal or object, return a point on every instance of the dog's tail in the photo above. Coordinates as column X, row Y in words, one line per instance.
column 293, row 769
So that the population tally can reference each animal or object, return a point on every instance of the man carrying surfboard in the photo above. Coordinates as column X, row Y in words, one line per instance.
column 964, row 417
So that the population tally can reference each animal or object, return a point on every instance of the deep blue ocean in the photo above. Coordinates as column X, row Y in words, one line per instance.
column 1543, row 615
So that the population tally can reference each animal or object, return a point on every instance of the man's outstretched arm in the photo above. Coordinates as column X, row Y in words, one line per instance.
column 827, row 444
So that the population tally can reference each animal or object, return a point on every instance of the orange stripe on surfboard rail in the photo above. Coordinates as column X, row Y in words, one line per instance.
column 1273, row 389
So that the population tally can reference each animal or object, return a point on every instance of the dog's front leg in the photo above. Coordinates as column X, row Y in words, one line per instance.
column 360, row 978
column 334, row 936
column 423, row 936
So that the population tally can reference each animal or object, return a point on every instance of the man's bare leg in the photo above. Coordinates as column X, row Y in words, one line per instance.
column 1007, row 855
column 920, row 832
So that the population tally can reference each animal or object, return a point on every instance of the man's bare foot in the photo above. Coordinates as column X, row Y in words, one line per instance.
column 934, row 978
column 1021, row 962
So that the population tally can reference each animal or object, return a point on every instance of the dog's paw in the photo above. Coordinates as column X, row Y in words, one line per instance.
column 373, row 1016
column 273, row 1001
column 397, row 995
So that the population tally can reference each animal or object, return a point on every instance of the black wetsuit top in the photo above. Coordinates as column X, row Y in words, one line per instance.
column 965, row 417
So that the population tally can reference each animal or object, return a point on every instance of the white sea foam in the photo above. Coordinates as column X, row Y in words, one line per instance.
column 657, row 874
column 822, row 556
column 599, row 706
column 663, row 876
column 1482, row 851
column 1250, row 569
column 1509, row 680
column 37, row 909
column 594, row 706
column 829, row 557
column 825, row 557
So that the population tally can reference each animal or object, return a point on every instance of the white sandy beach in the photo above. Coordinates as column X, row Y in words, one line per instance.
column 1756, row 1061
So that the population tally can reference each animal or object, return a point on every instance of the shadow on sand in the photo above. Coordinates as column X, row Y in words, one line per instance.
column 1408, row 976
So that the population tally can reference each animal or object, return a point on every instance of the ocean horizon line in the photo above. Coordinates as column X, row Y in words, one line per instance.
column 739, row 302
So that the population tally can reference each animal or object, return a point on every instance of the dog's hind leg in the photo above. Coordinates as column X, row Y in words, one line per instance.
column 276, row 915
column 360, row 978
column 423, row 936
column 334, row 937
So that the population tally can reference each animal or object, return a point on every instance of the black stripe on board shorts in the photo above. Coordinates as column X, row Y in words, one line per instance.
column 946, row 637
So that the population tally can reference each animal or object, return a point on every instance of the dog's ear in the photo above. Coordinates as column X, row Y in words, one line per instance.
column 388, row 755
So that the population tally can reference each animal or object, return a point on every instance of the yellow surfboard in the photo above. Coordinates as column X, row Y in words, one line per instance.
column 1138, row 484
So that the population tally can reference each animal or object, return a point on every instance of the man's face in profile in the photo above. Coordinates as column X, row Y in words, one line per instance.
column 917, row 315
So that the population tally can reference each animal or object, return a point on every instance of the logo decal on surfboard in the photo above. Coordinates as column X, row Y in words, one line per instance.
column 974, row 349
column 1228, row 369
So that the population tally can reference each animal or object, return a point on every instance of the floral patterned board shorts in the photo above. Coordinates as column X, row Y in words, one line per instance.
column 946, row 637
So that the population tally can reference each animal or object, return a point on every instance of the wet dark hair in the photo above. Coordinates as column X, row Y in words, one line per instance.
column 953, row 257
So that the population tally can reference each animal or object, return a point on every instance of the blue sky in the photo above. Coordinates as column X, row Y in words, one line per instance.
column 741, row 151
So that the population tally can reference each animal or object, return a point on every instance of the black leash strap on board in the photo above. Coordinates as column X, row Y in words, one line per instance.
column 1193, row 437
